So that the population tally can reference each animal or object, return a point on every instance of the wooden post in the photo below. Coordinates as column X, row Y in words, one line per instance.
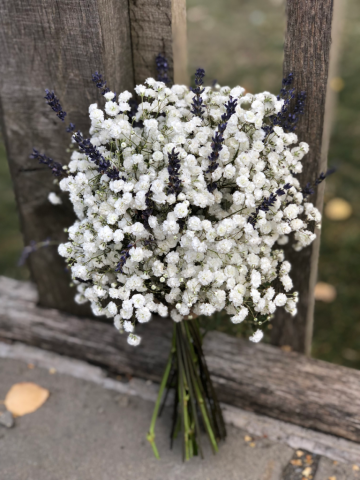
column 58, row 45
column 306, row 55
column 159, row 26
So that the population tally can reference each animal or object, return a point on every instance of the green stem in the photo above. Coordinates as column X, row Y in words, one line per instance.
column 200, row 397
column 151, row 435
column 195, row 428
column 195, row 397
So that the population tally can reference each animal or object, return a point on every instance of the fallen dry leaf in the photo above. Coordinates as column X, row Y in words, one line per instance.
column 52, row 371
column 286, row 348
column 296, row 463
column 247, row 438
column 26, row 397
column 338, row 209
column 325, row 292
column 299, row 453
column 306, row 472
column 332, row 478
column 252, row 444
column 356, row 468
column 31, row 366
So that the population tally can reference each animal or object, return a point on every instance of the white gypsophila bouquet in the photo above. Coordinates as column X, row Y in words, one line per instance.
column 182, row 203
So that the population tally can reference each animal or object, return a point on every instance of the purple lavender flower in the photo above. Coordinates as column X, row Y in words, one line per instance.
column 197, row 104
column 54, row 103
column 162, row 68
column 56, row 168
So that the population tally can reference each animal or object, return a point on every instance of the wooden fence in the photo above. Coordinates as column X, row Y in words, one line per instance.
column 59, row 45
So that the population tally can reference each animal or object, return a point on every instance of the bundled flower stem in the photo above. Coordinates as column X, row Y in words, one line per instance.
column 196, row 407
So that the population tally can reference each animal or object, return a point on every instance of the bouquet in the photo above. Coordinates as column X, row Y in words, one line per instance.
column 183, row 200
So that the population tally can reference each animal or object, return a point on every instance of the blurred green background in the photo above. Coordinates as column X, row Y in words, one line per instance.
column 241, row 42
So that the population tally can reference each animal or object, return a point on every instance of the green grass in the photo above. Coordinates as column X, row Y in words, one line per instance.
column 241, row 42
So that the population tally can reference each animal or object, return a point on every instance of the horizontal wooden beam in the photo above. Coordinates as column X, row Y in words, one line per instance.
column 260, row 378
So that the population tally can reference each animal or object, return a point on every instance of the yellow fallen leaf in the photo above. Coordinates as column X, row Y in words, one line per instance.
column 332, row 478
column 252, row 444
column 26, row 397
column 338, row 209
column 52, row 371
column 306, row 472
column 325, row 292
column 286, row 348
column 337, row 84
column 356, row 468
column 247, row 438
column 296, row 462
column 299, row 453
column 31, row 366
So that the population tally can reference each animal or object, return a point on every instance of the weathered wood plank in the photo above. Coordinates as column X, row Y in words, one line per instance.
column 261, row 378
column 58, row 46
column 179, row 37
column 154, row 25
column 55, row 45
column 306, row 55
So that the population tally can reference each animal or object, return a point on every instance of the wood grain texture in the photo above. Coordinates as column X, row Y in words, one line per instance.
column 260, row 377
column 306, row 55
column 151, row 34
column 55, row 45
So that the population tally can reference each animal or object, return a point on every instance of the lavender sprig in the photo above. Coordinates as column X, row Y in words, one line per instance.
column 267, row 203
column 33, row 247
column 174, row 186
column 285, row 118
column 56, row 168
column 230, row 109
column 197, row 104
column 54, row 103
column 309, row 188
column 85, row 146
column 132, row 113
column 143, row 215
column 70, row 128
column 218, row 139
column 162, row 68
column 100, row 82
column 124, row 256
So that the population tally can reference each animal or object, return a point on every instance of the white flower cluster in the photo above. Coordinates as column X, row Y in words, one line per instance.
column 156, row 239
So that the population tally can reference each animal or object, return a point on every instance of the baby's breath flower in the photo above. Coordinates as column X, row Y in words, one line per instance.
column 181, row 204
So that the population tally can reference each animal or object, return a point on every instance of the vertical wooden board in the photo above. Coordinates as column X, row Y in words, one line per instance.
column 306, row 55
column 152, row 33
column 55, row 45
column 179, row 38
